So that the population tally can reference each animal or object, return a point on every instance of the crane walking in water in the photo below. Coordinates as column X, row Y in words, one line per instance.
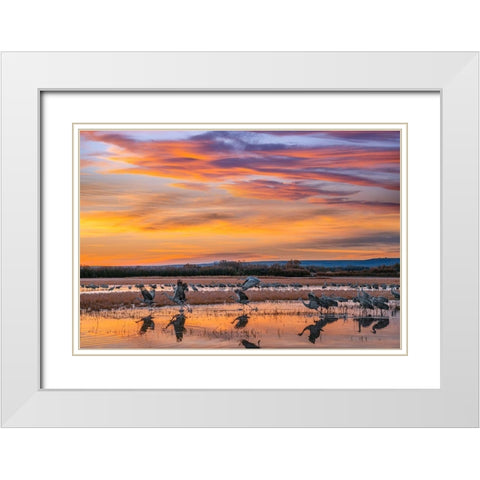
column 314, row 302
column 148, row 296
column 327, row 302
column 179, row 296
column 243, row 299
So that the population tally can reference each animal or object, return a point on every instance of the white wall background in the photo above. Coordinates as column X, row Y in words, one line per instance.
column 247, row 25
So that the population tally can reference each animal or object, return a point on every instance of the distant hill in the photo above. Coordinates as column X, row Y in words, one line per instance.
column 371, row 262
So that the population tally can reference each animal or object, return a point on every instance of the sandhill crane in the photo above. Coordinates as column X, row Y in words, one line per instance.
column 362, row 294
column 364, row 299
column 248, row 344
column 241, row 320
column 366, row 303
column 380, row 324
column 180, row 290
column 179, row 296
column 314, row 302
column 342, row 300
column 395, row 293
column 378, row 303
column 148, row 296
column 148, row 323
column 250, row 282
column 242, row 298
column 327, row 302
column 178, row 322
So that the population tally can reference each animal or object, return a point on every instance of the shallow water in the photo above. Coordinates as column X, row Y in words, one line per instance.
column 275, row 323
column 84, row 290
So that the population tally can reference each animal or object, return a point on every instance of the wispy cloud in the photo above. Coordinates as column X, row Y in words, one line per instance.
column 270, row 189
column 180, row 195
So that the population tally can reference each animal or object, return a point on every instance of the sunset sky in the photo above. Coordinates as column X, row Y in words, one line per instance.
column 192, row 196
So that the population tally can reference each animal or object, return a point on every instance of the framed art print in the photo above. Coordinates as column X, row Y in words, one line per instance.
column 276, row 237
column 210, row 238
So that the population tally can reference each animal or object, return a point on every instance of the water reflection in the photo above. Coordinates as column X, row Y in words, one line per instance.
column 380, row 324
column 218, row 326
column 248, row 344
column 178, row 322
column 314, row 329
column 317, row 328
column 366, row 321
column 241, row 320
column 148, row 323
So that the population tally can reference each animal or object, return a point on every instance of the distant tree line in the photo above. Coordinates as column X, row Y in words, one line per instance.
column 292, row 268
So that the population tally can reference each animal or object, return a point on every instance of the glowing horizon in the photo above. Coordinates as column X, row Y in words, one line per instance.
column 159, row 197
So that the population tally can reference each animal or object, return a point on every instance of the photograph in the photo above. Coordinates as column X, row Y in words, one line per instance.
column 239, row 238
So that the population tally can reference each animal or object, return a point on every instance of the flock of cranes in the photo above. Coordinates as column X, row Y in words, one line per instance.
column 179, row 298
column 321, row 304
column 263, row 285
column 366, row 301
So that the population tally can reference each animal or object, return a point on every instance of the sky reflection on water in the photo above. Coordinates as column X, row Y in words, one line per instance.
column 277, row 324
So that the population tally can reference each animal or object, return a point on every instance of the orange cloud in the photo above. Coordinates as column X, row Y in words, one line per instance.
column 218, row 195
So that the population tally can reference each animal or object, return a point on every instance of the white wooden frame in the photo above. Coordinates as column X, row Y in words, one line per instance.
column 26, row 75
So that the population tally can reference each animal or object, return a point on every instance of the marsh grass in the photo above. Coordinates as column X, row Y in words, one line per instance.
column 281, row 289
